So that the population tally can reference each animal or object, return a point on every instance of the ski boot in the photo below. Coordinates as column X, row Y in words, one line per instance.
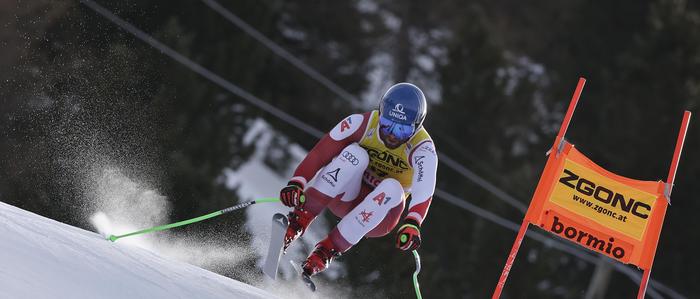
column 320, row 258
column 299, row 220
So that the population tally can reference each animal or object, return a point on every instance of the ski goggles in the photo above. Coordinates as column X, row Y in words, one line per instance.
column 401, row 131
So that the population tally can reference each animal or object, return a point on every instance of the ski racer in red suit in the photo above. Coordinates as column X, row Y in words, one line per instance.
column 363, row 170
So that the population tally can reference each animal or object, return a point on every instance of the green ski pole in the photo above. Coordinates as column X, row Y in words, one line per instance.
column 415, row 274
column 114, row 238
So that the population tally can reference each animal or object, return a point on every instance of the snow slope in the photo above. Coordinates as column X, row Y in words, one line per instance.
column 43, row 258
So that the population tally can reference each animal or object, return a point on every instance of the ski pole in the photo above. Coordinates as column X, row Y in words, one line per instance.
column 114, row 238
column 415, row 274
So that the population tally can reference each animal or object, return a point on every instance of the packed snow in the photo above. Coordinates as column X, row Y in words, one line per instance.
column 43, row 258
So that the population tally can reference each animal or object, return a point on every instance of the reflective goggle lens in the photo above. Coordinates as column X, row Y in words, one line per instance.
column 400, row 131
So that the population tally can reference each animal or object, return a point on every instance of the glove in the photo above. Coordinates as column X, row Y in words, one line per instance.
column 293, row 194
column 408, row 237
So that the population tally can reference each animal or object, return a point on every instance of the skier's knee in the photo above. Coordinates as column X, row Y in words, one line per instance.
column 390, row 185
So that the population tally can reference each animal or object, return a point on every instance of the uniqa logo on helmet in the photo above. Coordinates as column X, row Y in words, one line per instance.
column 397, row 112
column 404, row 103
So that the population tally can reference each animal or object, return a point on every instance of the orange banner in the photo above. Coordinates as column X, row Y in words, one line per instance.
column 582, row 202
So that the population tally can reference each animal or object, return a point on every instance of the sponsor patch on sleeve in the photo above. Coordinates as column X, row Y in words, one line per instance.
column 429, row 147
column 346, row 127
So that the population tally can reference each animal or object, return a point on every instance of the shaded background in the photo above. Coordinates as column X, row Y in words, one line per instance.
column 76, row 91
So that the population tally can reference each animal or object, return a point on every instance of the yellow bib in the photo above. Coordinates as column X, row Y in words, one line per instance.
column 385, row 162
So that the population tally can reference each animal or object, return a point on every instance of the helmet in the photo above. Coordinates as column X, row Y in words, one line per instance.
column 402, row 110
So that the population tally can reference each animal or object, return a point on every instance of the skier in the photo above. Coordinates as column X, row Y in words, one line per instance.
column 363, row 171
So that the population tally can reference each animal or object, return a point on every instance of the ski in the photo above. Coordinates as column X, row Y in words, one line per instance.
column 305, row 278
column 309, row 283
column 274, row 252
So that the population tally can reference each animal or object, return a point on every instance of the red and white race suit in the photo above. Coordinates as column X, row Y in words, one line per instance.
column 360, row 180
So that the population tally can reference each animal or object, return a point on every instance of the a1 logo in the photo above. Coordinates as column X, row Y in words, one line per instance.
column 381, row 198
column 345, row 125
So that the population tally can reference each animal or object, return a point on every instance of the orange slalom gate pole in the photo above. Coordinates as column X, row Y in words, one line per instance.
column 671, row 177
column 679, row 148
column 572, row 107
column 510, row 260
column 523, row 227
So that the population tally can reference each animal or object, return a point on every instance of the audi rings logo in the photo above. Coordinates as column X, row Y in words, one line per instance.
column 351, row 158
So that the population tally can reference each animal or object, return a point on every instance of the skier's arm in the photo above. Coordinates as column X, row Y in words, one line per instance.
column 424, row 161
column 347, row 131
